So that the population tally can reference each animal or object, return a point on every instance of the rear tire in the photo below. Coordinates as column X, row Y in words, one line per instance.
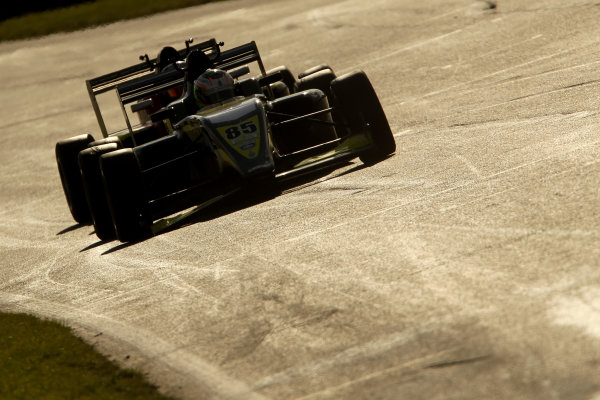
column 110, row 139
column 67, row 152
column 361, row 109
column 89, row 163
column 124, row 193
column 286, row 76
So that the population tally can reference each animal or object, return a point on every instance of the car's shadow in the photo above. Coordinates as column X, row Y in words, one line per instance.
column 70, row 229
column 240, row 200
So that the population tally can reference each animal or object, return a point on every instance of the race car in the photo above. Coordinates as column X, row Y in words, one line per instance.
column 258, row 132
column 147, row 86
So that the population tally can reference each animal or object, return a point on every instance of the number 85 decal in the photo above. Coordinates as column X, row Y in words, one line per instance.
column 236, row 130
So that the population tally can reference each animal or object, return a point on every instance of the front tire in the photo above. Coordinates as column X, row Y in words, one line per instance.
column 320, row 79
column 314, row 69
column 67, row 152
column 361, row 109
column 301, row 134
column 124, row 193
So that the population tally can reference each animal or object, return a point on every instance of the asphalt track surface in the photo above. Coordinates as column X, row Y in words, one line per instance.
column 465, row 266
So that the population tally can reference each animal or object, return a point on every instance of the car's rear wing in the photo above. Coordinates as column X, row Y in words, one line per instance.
column 139, row 73
column 239, row 56
column 145, row 86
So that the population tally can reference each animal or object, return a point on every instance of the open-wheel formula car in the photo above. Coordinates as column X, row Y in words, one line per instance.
column 266, row 129
column 166, row 84
column 145, row 87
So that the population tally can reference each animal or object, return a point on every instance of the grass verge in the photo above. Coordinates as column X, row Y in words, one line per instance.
column 43, row 360
column 85, row 15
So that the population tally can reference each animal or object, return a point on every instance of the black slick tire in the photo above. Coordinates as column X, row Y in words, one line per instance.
column 124, row 193
column 89, row 163
column 320, row 79
column 314, row 69
column 286, row 76
column 360, row 107
column 110, row 139
column 67, row 152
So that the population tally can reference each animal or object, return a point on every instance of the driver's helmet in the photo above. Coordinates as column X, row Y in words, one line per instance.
column 213, row 86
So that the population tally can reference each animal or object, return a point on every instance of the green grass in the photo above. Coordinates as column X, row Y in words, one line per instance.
column 86, row 15
column 42, row 359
